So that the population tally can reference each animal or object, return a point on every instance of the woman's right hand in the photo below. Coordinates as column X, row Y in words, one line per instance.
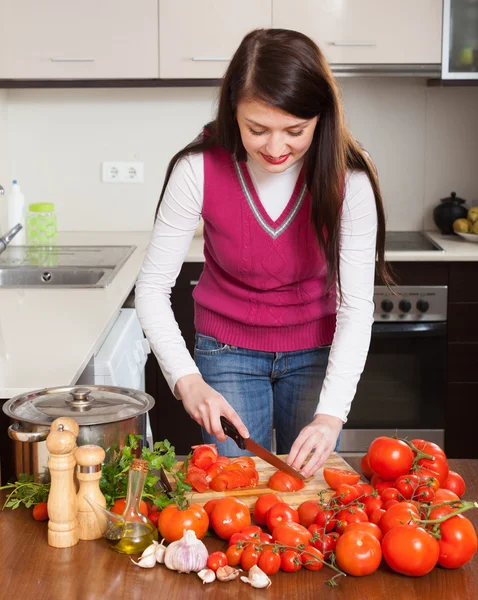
column 206, row 406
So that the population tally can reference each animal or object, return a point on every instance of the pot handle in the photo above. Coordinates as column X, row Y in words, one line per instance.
column 26, row 436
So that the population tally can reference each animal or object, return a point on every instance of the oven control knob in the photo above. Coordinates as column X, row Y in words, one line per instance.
column 423, row 306
column 405, row 306
column 387, row 306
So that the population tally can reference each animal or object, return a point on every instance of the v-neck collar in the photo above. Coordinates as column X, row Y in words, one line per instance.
column 273, row 228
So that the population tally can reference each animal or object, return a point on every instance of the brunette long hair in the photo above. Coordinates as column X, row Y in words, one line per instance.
column 287, row 70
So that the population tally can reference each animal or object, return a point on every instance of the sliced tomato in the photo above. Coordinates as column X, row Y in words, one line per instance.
column 246, row 462
column 204, row 445
column 204, row 456
column 193, row 469
column 335, row 477
column 198, row 482
column 214, row 470
column 283, row 482
column 223, row 460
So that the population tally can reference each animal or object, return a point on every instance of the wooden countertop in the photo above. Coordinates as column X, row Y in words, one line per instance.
column 90, row 571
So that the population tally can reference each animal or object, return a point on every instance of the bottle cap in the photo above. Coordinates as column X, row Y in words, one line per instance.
column 42, row 207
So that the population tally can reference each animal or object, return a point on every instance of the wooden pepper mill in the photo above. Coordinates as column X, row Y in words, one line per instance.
column 62, row 504
column 72, row 425
column 88, row 471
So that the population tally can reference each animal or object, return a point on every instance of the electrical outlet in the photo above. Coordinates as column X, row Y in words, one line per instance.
column 122, row 172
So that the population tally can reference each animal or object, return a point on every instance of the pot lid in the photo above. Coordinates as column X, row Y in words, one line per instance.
column 87, row 404
column 453, row 198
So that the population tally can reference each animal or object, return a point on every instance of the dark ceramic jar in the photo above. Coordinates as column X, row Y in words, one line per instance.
column 449, row 210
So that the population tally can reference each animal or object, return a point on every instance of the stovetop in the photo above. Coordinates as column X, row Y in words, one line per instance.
column 409, row 241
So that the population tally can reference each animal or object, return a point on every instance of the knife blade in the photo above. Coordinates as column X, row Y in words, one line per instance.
column 257, row 449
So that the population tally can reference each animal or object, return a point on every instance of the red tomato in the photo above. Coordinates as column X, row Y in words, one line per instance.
column 290, row 561
column 390, row 503
column 197, row 481
column 335, row 477
column 350, row 515
column 265, row 538
column 154, row 517
column 269, row 562
column 252, row 531
column 291, row 534
column 279, row 513
column 389, row 458
column 371, row 503
column 458, row 542
column 262, row 505
column 230, row 480
column 398, row 514
column 283, row 482
column 327, row 545
column 230, row 516
column 238, row 537
column 250, row 557
column 430, row 482
column 308, row 512
column 345, row 494
column 410, row 550
column 366, row 488
column 380, row 484
column 428, row 447
column 365, row 468
column 389, row 494
column 204, row 456
column 120, row 505
column 223, row 460
column 358, row 553
column 325, row 518
column 365, row 527
column 244, row 462
column 455, row 483
column 312, row 559
column 424, row 493
column 40, row 511
column 376, row 516
column 209, row 506
column 437, row 467
column 406, row 485
column 443, row 495
column 234, row 555
column 216, row 560
column 173, row 521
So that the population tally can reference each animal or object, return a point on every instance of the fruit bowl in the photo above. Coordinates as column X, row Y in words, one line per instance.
column 469, row 237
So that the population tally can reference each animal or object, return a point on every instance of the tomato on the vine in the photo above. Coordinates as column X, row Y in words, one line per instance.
column 325, row 518
column 230, row 516
column 234, row 554
column 290, row 561
column 358, row 553
column 410, row 550
column 326, row 544
column 398, row 514
column 262, row 505
column 371, row 503
column 308, row 512
column 345, row 494
column 442, row 495
column 455, row 483
column 389, row 494
column 424, row 493
column 365, row 489
column 172, row 522
column 389, row 458
column 380, row 484
column 269, row 562
column 335, row 477
column 436, row 467
column 279, row 513
column 216, row 560
column 376, row 516
column 291, row 534
column 250, row 557
column 458, row 542
column 312, row 558
column 406, row 485
column 350, row 515
column 252, row 531
column 390, row 503
column 428, row 447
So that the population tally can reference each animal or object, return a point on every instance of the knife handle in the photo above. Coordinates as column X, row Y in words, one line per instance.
column 232, row 432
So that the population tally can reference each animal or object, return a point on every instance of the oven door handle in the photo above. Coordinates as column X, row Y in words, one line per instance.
column 394, row 330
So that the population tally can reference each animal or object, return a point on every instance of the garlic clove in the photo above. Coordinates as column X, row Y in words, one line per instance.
column 149, row 550
column 146, row 562
column 160, row 552
column 227, row 573
column 257, row 578
column 207, row 575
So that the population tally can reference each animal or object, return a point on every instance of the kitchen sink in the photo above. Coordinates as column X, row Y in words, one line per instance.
column 61, row 266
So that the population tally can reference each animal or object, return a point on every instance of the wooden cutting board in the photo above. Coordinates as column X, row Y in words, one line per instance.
column 312, row 486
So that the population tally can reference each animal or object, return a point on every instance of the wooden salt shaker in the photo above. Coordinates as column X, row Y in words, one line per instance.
column 88, row 470
column 72, row 425
column 62, row 504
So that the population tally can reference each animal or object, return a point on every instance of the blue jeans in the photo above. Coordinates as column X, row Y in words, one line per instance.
column 266, row 389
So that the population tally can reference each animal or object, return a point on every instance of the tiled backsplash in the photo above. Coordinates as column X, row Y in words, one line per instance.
column 423, row 140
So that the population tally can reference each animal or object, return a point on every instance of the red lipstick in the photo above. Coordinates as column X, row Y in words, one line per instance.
column 275, row 161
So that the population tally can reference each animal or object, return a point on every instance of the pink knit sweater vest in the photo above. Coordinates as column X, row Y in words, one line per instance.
column 263, row 283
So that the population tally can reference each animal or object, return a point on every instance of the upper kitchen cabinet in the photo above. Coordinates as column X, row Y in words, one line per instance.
column 197, row 38
column 58, row 39
column 367, row 31
column 460, row 39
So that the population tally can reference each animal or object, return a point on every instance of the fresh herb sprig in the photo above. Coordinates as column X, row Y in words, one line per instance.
column 25, row 491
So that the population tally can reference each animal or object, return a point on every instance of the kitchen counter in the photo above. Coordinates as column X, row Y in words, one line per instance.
column 32, row 569
column 47, row 336
column 455, row 249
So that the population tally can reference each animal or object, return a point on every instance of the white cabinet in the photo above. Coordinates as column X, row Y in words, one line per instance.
column 197, row 38
column 86, row 39
column 367, row 31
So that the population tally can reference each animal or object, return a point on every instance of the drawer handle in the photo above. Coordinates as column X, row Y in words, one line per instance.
column 61, row 59
column 210, row 59
column 347, row 44
column 194, row 282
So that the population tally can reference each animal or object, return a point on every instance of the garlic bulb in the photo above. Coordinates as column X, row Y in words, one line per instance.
column 257, row 578
column 187, row 554
column 207, row 575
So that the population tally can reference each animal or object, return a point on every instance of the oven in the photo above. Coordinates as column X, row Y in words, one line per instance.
column 403, row 387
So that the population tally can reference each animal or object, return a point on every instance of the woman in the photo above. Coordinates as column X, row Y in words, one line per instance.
column 293, row 224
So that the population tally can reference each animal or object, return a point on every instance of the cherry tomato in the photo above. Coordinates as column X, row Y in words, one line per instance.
column 381, row 484
column 290, row 561
column 238, row 537
column 252, row 531
column 173, row 521
column 335, row 477
column 279, row 513
column 389, row 458
column 230, row 516
column 325, row 518
column 366, row 527
column 389, row 494
column 308, row 512
column 376, row 516
column 154, row 517
column 350, row 515
column 406, row 485
column 209, row 506
column 430, row 482
column 312, row 558
column 269, row 562
column 398, row 514
column 216, row 560
column 250, row 557
column 410, row 550
column 40, row 511
column 283, row 482
column 365, row 488
column 345, row 494
column 358, row 553
column 291, row 534
column 458, row 542
column 424, row 493
column 234, row 554
column 365, row 468
column 262, row 505
column 120, row 505
column 390, row 503
column 327, row 545
column 443, row 495
column 436, row 467
column 455, row 483
column 265, row 538
column 371, row 503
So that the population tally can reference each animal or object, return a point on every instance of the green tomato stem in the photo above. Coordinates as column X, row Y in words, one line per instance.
column 466, row 506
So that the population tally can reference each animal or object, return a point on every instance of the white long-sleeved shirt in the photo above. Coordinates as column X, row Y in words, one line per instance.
column 177, row 221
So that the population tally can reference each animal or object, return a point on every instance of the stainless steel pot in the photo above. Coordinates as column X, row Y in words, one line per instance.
column 105, row 415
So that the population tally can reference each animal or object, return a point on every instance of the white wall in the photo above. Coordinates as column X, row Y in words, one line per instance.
column 3, row 157
column 423, row 140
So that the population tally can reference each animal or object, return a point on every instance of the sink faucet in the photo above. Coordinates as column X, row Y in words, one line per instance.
column 8, row 237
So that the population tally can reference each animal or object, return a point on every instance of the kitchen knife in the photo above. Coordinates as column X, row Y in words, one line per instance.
column 257, row 449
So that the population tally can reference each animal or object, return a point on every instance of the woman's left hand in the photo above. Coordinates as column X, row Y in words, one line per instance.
column 321, row 436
